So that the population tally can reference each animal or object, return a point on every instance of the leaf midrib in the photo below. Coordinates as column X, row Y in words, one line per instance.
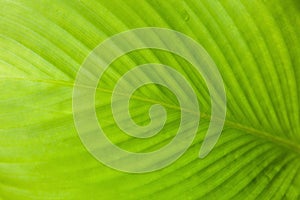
column 282, row 142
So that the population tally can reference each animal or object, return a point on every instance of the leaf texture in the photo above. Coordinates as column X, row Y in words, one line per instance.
column 256, row 47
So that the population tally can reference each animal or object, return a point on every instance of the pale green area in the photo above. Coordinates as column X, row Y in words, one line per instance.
column 255, row 45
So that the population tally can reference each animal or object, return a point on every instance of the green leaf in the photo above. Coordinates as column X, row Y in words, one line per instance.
column 255, row 45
